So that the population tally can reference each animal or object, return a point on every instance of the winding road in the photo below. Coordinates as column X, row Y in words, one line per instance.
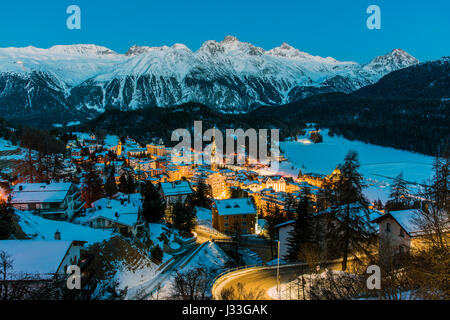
column 263, row 278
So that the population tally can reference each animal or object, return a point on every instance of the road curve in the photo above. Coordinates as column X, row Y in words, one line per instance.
column 265, row 277
column 258, row 278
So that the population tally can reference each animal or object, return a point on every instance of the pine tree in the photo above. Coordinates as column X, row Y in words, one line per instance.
column 325, row 196
column 184, row 217
column 202, row 196
column 273, row 217
column 111, row 185
column 349, row 227
column 153, row 206
column 302, row 233
column 92, row 189
column 6, row 220
column 399, row 194
column 126, row 183
column 433, row 215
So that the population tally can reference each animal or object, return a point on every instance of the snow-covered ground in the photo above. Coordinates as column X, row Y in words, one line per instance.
column 250, row 257
column 44, row 229
column 294, row 289
column 204, row 216
column 210, row 258
column 378, row 164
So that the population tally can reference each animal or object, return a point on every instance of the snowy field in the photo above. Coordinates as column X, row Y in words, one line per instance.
column 378, row 164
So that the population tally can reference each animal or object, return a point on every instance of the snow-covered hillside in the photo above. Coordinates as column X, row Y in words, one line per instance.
column 231, row 75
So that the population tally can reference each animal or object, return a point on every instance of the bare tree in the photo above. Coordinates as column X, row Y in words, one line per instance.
column 238, row 292
column 191, row 285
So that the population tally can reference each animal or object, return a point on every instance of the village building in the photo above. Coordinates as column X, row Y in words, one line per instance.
column 158, row 150
column 56, row 200
column 218, row 184
column 121, row 214
column 277, row 183
column 284, row 233
column 399, row 234
column 41, row 260
column 234, row 216
column 175, row 191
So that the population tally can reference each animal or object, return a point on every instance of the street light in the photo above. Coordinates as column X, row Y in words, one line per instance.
column 278, row 269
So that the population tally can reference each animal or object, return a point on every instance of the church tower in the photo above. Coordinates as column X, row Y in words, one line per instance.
column 214, row 157
column 119, row 148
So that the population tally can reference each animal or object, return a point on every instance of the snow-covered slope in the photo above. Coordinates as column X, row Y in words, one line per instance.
column 230, row 75
column 379, row 165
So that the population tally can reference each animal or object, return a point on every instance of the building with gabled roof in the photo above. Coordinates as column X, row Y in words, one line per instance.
column 175, row 191
column 234, row 216
column 41, row 260
column 55, row 200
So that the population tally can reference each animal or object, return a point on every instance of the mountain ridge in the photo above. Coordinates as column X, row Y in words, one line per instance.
column 230, row 76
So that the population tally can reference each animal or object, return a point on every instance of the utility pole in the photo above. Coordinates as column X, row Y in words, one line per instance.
column 278, row 269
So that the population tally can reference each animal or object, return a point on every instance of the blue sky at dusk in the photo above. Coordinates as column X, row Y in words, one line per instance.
column 325, row 28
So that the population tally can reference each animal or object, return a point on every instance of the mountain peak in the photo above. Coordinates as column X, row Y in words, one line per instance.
column 286, row 46
column 229, row 39
column 82, row 50
column 394, row 60
column 288, row 51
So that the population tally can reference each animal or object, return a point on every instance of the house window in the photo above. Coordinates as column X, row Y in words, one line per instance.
column 402, row 234
column 388, row 227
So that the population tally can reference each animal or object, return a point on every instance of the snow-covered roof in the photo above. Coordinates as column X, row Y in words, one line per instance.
column 34, row 257
column 127, row 213
column 235, row 206
column 284, row 224
column 176, row 188
column 40, row 192
column 405, row 218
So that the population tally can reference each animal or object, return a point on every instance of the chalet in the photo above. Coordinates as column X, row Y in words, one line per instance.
column 233, row 216
column 175, row 191
column 120, row 214
column 56, row 200
column 277, row 183
column 41, row 260
column 399, row 233
column 284, row 231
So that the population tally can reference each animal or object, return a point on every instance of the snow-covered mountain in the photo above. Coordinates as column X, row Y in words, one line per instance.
column 230, row 75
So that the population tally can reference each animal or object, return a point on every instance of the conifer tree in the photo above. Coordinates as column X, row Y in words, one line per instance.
column 92, row 189
column 6, row 220
column 153, row 206
column 111, row 185
column 302, row 233
column 184, row 216
column 349, row 221
column 126, row 183
column 202, row 196
column 399, row 194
